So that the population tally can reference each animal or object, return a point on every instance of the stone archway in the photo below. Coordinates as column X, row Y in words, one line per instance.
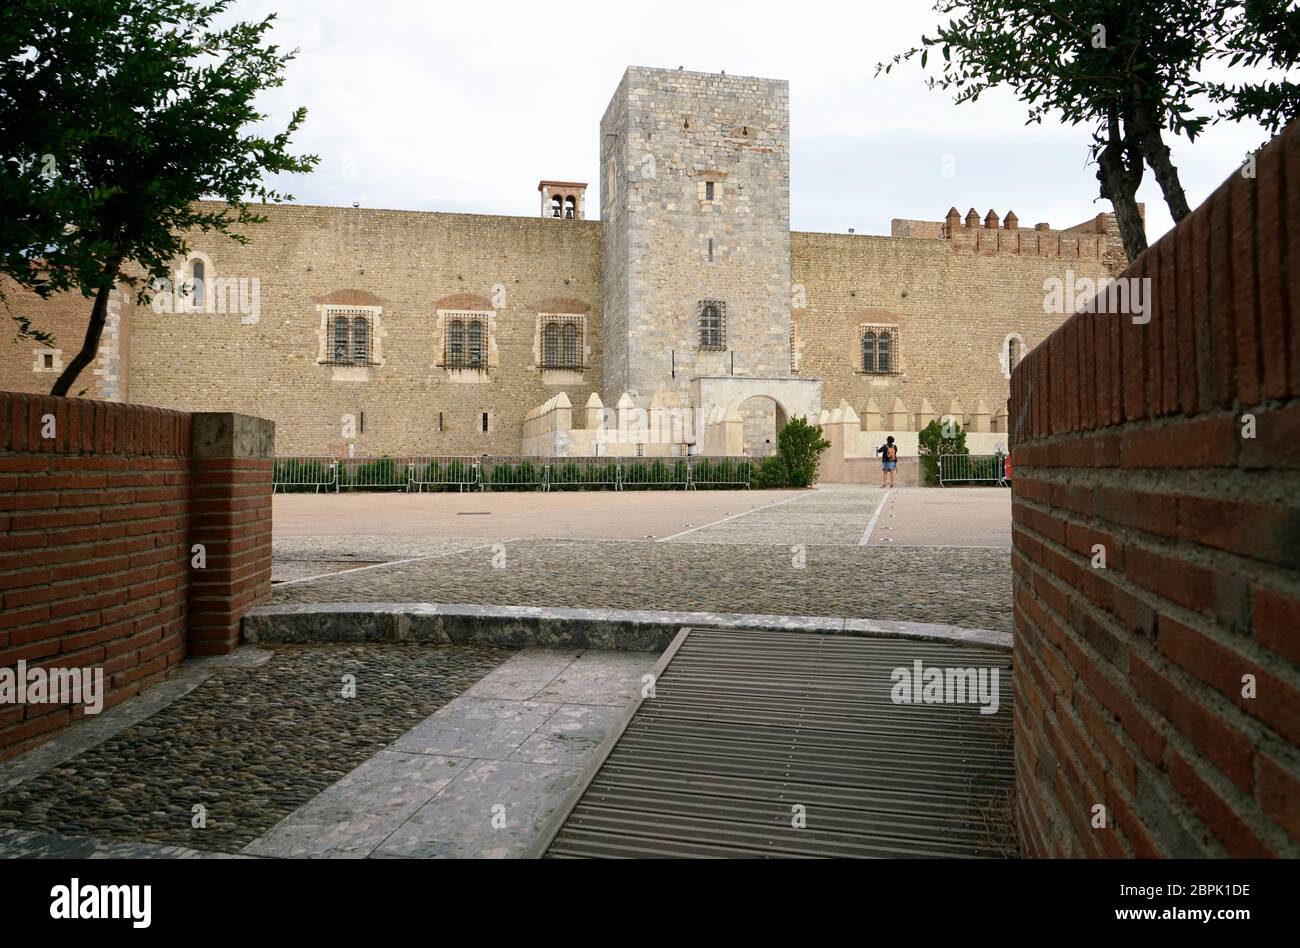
column 763, row 417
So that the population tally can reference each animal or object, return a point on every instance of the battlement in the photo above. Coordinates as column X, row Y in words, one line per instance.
column 1097, row 238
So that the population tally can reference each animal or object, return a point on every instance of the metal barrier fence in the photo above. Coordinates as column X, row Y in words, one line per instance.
column 295, row 475
column 654, row 474
column 373, row 473
column 584, row 474
column 515, row 473
column 443, row 474
column 972, row 469
column 724, row 473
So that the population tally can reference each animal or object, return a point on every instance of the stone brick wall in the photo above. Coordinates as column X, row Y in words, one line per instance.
column 408, row 267
column 1165, row 687
column 670, row 137
column 953, row 312
column 30, row 366
column 97, row 543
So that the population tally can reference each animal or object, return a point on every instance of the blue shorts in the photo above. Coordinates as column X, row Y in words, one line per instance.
column 890, row 465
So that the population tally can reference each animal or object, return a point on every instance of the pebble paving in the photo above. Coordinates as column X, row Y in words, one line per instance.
column 962, row 587
column 249, row 744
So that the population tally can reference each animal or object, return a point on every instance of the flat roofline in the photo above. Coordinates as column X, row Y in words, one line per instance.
column 562, row 184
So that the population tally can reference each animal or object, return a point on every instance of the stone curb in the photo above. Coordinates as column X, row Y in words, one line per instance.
column 555, row 627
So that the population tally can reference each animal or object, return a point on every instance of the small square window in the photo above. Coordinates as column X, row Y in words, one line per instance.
column 48, row 358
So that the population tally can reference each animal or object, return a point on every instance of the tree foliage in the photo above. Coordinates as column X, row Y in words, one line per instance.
column 936, row 440
column 799, row 447
column 1132, row 70
column 116, row 117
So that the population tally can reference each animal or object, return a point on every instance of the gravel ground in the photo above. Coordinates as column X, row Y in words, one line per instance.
column 962, row 587
column 249, row 744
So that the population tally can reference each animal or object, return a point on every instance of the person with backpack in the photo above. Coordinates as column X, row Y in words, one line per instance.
column 888, row 461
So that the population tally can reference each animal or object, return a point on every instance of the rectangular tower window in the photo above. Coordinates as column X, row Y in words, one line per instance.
column 710, row 250
column 713, row 324
column 708, row 190
column 485, row 422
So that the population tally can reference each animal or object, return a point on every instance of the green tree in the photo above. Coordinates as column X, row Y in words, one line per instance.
column 1265, row 33
column 117, row 117
column 937, row 440
column 800, row 446
column 1131, row 69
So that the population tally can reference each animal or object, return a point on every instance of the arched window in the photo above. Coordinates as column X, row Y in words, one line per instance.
column 884, row 353
column 360, row 340
column 456, row 343
column 474, row 344
column 712, row 328
column 571, row 359
column 570, row 207
column 557, row 207
column 340, row 347
column 868, row 352
column 551, row 345
column 196, row 283
column 1013, row 354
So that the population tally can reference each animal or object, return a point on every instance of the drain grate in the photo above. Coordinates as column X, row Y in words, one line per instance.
column 748, row 732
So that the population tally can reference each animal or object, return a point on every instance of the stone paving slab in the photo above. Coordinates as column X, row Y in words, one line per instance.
column 463, row 820
column 569, row 736
column 489, row 728
column 355, row 815
column 478, row 778
column 598, row 678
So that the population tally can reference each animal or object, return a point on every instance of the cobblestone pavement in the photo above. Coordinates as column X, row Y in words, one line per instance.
column 799, row 556
column 962, row 587
column 249, row 744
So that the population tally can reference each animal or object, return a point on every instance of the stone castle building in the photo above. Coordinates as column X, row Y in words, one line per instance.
column 689, row 318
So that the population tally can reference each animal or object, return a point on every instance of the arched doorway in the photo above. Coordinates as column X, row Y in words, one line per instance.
column 763, row 417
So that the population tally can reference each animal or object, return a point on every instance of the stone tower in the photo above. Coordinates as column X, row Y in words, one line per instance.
column 695, row 205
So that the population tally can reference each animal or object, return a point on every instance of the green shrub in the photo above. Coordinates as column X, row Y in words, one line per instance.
column 770, row 473
column 935, row 441
column 800, row 446
column 379, row 474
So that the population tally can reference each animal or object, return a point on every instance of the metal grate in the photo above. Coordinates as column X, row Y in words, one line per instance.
column 351, row 337
column 713, row 324
column 465, row 342
column 745, row 726
column 879, row 349
column 562, row 342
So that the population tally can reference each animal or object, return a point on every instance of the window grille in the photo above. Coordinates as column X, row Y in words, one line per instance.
column 713, row 324
column 465, row 342
column 879, row 350
column 351, row 338
column 562, row 343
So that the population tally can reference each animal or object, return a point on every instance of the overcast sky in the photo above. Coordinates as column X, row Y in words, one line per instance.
column 430, row 105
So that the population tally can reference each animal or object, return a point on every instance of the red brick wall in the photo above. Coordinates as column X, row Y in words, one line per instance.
column 97, row 525
column 1129, row 678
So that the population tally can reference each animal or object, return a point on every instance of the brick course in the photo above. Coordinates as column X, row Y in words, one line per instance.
column 1130, row 678
column 97, row 528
